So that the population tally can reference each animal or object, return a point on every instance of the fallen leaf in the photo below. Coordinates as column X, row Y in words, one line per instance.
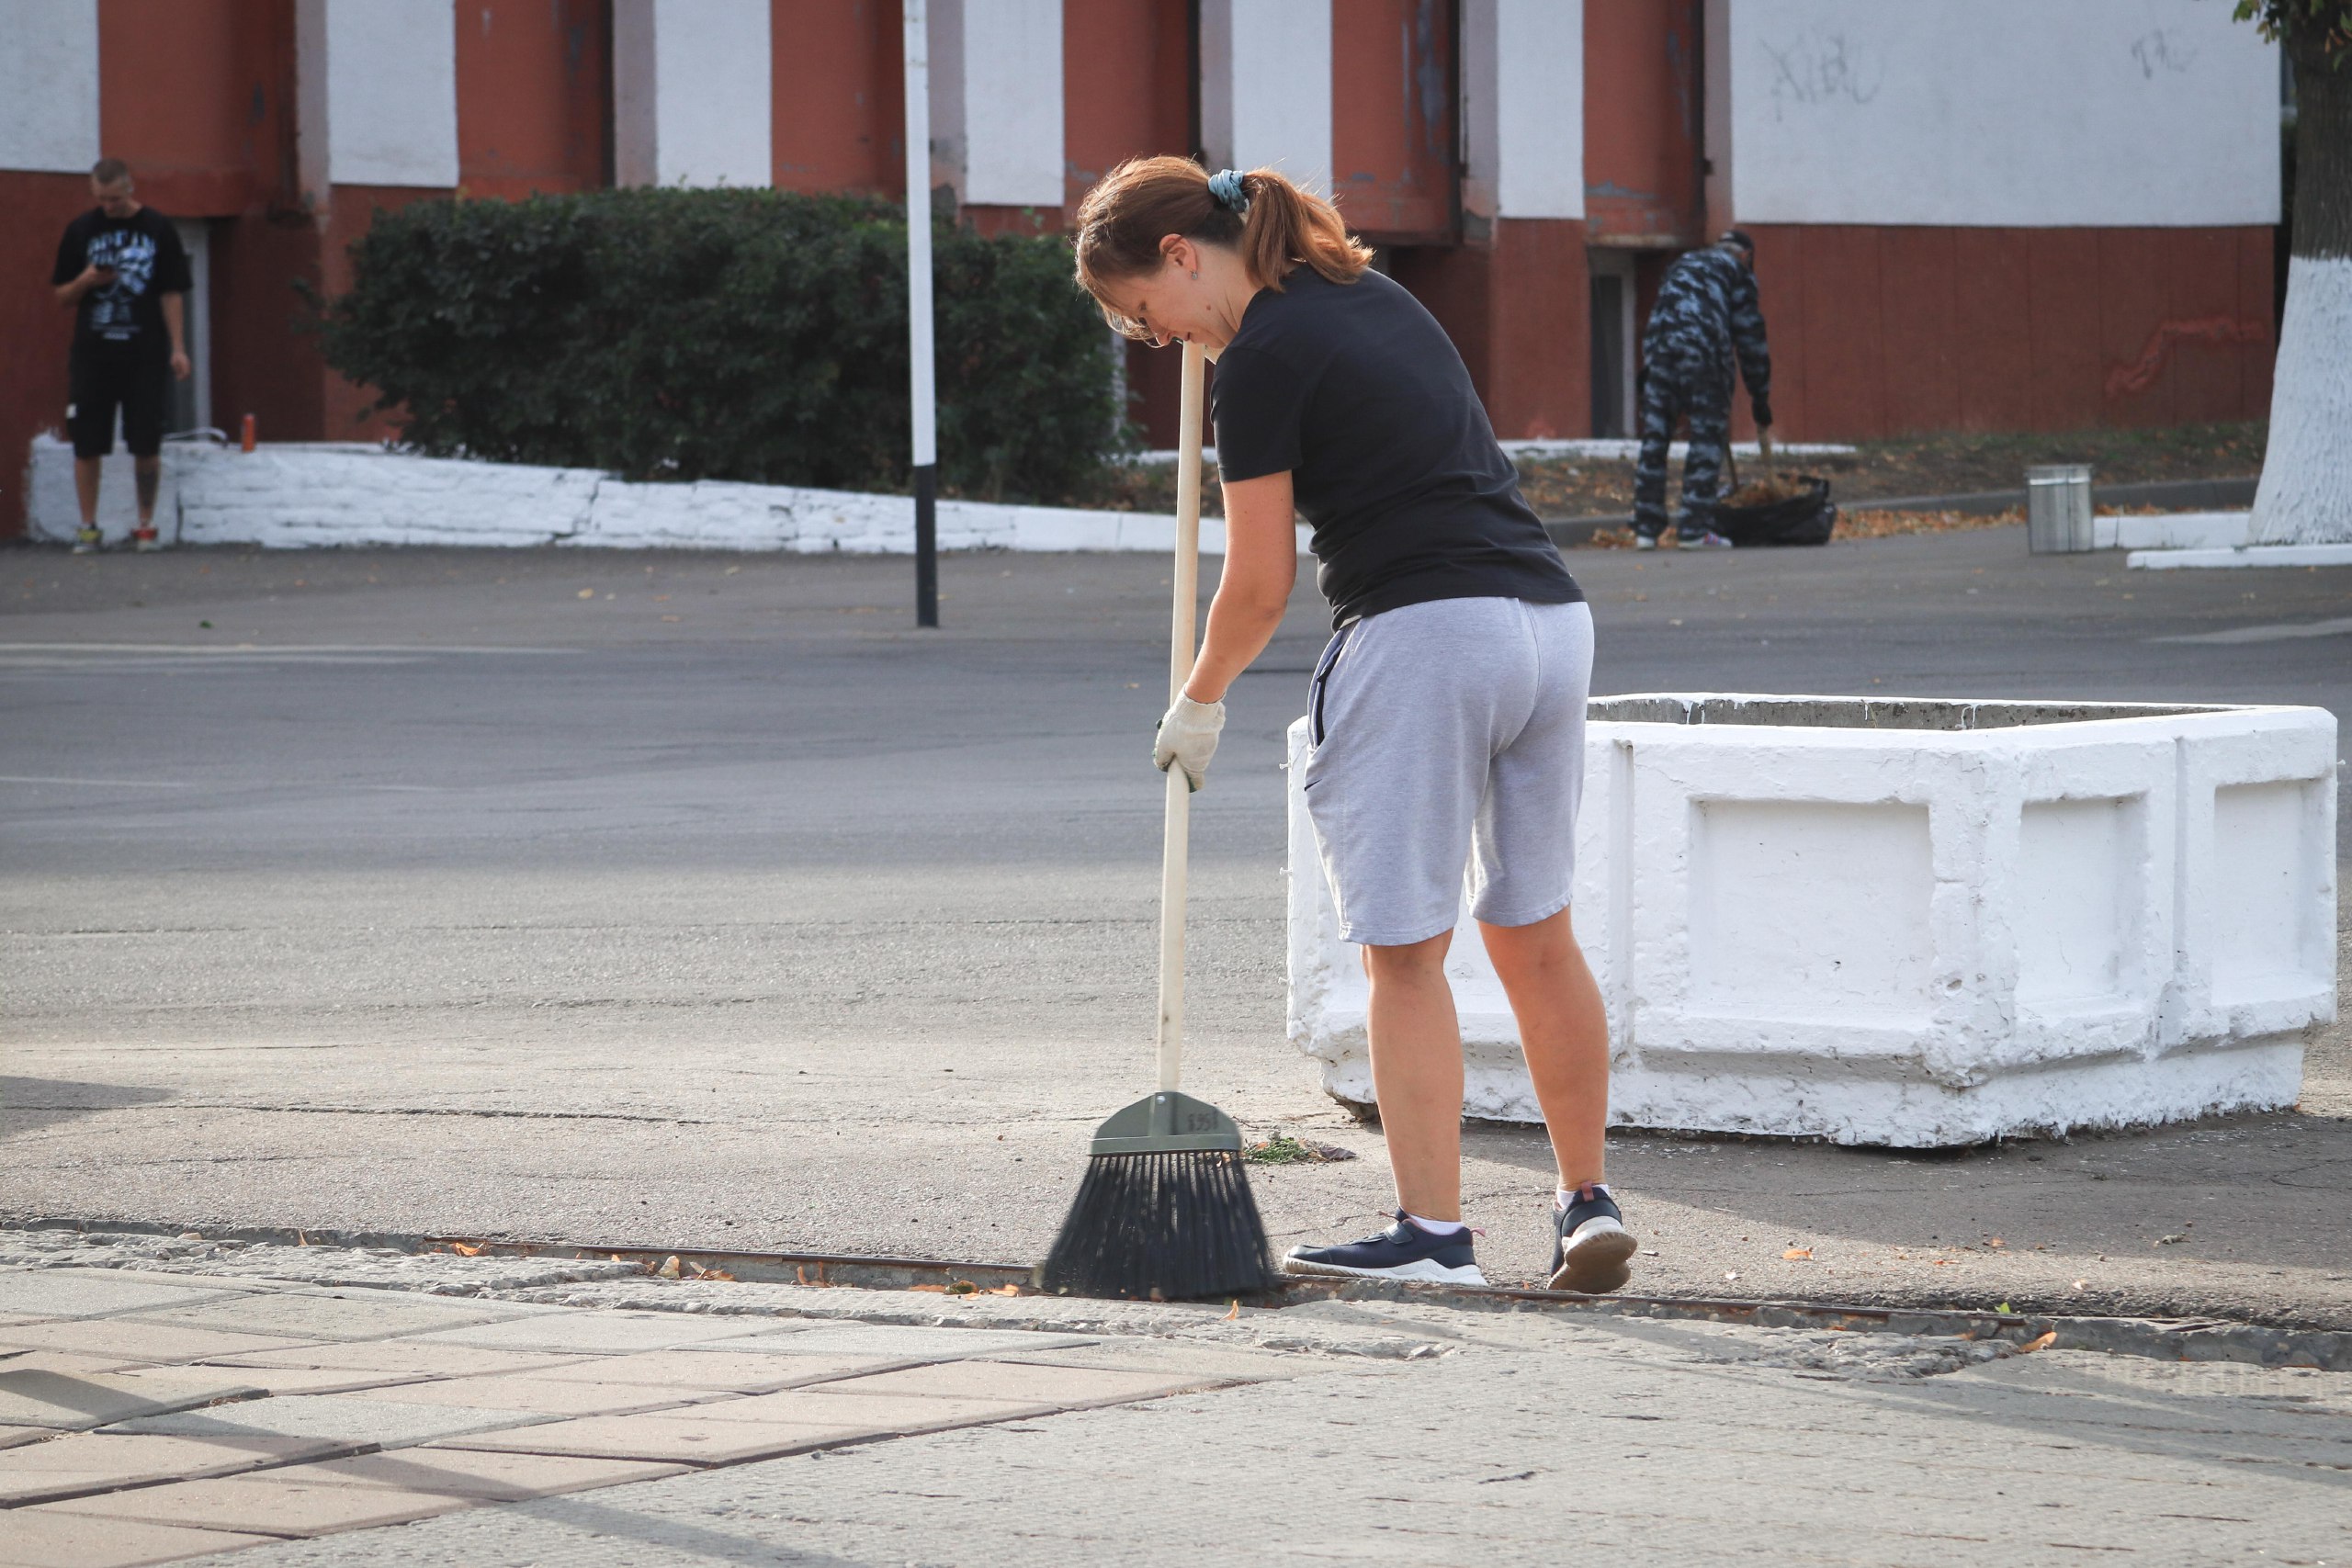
column 2043, row 1343
column 963, row 1288
column 1006, row 1290
column 587, row 593
column 2082, row 1284
column 934, row 1290
column 462, row 1250
column 669, row 1270
column 1234, row 1312
column 1944, row 1262
column 1732, row 1275
column 1995, row 1241
column 2173, row 1240
column 1799, row 1254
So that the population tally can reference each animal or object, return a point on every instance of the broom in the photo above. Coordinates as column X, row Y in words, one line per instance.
column 1164, row 1211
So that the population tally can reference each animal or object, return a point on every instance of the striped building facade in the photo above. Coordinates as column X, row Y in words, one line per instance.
column 1970, row 214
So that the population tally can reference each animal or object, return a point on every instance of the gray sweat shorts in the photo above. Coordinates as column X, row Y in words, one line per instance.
column 1445, row 734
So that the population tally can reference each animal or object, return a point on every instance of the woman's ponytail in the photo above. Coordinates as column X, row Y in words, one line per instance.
column 1274, row 225
column 1285, row 227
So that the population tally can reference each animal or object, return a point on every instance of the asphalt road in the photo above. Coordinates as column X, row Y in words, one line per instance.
column 689, row 898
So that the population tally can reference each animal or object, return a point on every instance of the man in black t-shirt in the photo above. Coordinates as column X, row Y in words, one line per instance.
column 123, row 270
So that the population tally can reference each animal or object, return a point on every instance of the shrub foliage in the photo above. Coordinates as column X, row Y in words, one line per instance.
column 741, row 334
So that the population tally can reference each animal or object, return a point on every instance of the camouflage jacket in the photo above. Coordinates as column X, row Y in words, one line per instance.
column 1706, row 314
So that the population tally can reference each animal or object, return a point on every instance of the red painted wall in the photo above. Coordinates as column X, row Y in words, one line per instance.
column 838, row 74
column 1126, row 91
column 1881, row 331
column 533, row 96
column 1519, row 309
column 1641, row 120
column 1394, row 112
column 194, row 94
column 263, row 364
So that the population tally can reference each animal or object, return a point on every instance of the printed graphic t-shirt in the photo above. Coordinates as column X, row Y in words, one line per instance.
column 1357, row 390
column 149, row 262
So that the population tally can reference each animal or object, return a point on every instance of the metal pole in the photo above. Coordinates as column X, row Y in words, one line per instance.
column 921, row 382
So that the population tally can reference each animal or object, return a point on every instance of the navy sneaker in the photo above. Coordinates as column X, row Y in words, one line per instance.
column 1590, row 1243
column 1403, row 1251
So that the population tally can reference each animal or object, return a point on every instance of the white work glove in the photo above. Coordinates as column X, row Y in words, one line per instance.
column 1187, row 737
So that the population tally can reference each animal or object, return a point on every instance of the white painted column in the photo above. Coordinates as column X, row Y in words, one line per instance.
column 1266, row 88
column 1523, row 108
column 692, row 93
column 996, row 100
column 49, row 85
column 392, row 92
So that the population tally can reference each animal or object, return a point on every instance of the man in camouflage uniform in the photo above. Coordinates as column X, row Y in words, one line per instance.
column 1706, row 316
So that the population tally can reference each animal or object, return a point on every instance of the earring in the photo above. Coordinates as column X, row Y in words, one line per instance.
column 1196, row 278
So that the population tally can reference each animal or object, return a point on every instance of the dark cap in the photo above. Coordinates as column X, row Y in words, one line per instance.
column 1738, row 237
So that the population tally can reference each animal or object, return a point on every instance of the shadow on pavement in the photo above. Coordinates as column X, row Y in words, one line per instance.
column 34, row 1105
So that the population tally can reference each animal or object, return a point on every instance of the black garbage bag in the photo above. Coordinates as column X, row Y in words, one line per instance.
column 1805, row 519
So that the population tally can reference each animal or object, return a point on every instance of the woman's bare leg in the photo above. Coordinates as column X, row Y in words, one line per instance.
column 1562, row 1030
column 1417, row 1073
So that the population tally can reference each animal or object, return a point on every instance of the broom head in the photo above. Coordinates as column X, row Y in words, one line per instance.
column 1164, row 1212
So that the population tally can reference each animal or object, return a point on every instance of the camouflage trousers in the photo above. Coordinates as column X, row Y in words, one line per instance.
column 1670, row 394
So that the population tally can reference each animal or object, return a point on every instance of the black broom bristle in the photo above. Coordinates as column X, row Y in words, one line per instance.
column 1169, row 1226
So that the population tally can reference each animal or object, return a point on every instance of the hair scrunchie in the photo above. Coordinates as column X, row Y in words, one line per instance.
column 1225, row 189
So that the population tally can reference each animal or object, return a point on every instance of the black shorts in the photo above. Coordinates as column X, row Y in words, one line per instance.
column 101, row 384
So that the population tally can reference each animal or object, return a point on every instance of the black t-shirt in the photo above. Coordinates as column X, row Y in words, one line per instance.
column 149, row 262
column 1357, row 390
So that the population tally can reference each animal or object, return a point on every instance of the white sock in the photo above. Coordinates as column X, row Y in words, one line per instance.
column 1563, row 1196
column 1436, row 1227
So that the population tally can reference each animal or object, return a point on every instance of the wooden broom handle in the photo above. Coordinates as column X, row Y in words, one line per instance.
column 1181, row 646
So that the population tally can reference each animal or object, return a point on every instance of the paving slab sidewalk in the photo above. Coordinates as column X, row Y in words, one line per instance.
column 941, row 1433
column 380, row 1406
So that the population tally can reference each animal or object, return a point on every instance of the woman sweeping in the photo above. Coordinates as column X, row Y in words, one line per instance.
column 1447, row 713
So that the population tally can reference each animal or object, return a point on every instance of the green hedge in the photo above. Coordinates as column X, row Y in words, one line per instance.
column 738, row 334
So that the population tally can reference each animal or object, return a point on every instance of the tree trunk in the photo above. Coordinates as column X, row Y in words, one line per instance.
column 2306, row 493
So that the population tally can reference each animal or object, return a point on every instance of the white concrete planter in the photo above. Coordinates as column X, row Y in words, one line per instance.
column 1914, row 923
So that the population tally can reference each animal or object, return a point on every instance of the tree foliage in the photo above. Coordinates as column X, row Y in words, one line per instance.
column 2330, row 19
column 742, row 334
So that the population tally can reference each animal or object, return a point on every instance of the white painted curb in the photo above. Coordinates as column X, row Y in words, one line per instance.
column 1827, row 916
column 2172, row 531
column 1597, row 448
column 2244, row 556
column 294, row 495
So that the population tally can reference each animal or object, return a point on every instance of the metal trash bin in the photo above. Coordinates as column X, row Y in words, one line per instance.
column 2058, row 508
